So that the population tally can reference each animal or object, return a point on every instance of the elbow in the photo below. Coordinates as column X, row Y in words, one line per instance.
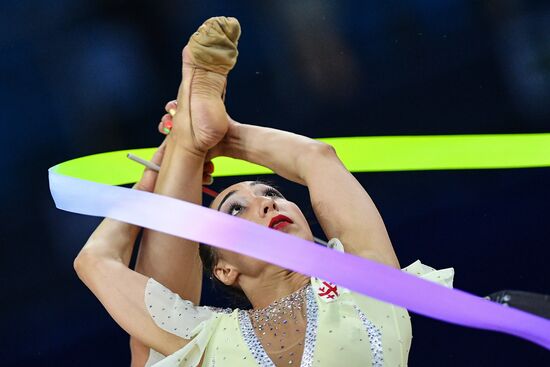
column 80, row 262
column 92, row 264
column 323, row 150
column 84, row 262
column 314, row 159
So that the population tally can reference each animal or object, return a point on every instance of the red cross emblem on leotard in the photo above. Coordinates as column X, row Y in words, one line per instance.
column 328, row 291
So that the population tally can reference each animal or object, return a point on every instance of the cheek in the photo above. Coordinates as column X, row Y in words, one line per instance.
column 304, row 225
column 297, row 214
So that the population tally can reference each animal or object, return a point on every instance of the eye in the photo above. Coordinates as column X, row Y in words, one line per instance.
column 235, row 209
column 271, row 192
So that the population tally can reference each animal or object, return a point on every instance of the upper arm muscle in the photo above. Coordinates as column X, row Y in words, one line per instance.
column 345, row 210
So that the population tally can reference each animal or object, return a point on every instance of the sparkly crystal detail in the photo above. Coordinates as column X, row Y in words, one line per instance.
column 311, row 329
column 375, row 339
column 252, row 341
column 278, row 312
column 226, row 310
column 268, row 318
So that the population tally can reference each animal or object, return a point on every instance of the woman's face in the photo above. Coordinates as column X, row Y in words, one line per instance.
column 262, row 204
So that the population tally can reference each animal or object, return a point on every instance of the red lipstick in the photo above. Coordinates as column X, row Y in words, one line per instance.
column 279, row 222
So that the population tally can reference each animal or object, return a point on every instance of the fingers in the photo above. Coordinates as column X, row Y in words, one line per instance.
column 207, row 179
column 208, row 169
column 159, row 154
column 165, row 125
column 149, row 176
column 171, row 107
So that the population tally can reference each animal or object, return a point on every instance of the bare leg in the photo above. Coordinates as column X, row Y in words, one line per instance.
column 199, row 123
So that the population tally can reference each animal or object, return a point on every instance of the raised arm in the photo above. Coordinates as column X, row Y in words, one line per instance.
column 102, row 265
column 342, row 206
column 103, row 262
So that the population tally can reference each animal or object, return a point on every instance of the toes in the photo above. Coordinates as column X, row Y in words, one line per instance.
column 232, row 29
column 228, row 26
column 214, row 45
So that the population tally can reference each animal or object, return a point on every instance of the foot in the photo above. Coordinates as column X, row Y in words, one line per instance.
column 201, row 120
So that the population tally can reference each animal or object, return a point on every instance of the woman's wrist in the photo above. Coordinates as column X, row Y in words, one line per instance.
column 231, row 146
column 289, row 155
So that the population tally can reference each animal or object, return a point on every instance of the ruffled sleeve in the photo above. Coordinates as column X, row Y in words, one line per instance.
column 180, row 317
column 330, row 292
column 443, row 276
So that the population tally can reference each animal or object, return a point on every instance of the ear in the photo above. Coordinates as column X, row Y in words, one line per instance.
column 226, row 273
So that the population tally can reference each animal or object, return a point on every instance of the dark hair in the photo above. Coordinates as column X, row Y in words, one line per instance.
column 210, row 257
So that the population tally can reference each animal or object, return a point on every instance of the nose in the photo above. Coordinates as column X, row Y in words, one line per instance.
column 266, row 206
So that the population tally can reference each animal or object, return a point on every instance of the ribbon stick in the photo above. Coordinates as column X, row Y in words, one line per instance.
column 90, row 197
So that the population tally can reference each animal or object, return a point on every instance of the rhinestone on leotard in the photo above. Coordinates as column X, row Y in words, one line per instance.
column 375, row 338
column 278, row 314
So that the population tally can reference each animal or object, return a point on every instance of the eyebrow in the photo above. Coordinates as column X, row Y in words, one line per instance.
column 225, row 198
column 253, row 183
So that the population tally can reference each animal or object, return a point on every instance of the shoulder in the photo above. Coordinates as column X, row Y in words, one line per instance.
column 174, row 314
column 328, row 292
column 183, row 318
column 324, row 290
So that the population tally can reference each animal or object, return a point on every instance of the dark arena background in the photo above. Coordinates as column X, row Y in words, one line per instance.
column 83, row 77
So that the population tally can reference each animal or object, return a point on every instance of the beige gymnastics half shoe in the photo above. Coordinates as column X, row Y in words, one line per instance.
column 213, row 46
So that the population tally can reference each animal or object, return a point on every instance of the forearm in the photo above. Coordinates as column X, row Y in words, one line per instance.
column 288, row 155
column 341, row 204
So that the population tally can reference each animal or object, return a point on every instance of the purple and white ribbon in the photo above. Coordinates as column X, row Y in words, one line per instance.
column 197, row 223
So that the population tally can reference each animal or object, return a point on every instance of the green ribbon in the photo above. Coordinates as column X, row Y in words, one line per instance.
column 359, row 154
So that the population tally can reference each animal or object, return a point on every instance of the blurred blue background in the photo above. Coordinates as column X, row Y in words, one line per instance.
column 82, row 77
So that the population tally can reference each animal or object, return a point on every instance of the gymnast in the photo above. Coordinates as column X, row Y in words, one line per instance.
column 295, row 319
